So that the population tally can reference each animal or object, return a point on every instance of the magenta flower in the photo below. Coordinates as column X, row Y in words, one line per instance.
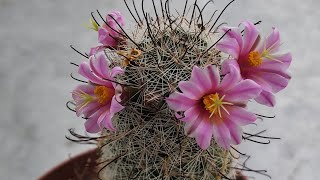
column 98, row 100
column 258, row 60
column 112, row 19
column 214, row 108
column 108, row 33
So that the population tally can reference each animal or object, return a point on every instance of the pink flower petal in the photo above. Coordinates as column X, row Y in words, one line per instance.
column 113, row 19
column 235, row 131
column 113, row 28
column 100, row 66
column 96, row 50
column 91, row 125
column 192, row 113
column 105, row 120
column 250, row 37
column 191, row 90
column 225, row 67
column 104, row 37
column 232, row 77
column 283, row 74
column 116, row 71
column 272, row 42
column 206, row 79
column 285, row 61
column 229, row 46
column 235, row 33
column 266, row 98
column 85, row 71
column 243, row 91
column 199, row 77
column 212, row 72
column 276, row 81
column 118, row 92
column 240, row 116
column 222, row 135
column 179, row 102
column 115, row 106
column 116, row 15
column 204, row 134
column 87, row 110
column 90, row 108
column 83, row 88
column 190, row 128
column 257, row 79
column 273, row 38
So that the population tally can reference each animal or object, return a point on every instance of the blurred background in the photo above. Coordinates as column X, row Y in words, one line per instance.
column 34, row 83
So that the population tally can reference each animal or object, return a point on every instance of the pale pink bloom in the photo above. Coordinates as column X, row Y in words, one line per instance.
column 98, row 100
column 105, row 38
column 112, row 22
column 108, row 34
column 214, row 108
column 258, row 60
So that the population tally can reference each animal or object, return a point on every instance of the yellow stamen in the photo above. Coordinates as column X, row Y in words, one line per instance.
column 254, row 59
column 103, row 94
column 213, row 103
column 266, row 52
column 86, row 98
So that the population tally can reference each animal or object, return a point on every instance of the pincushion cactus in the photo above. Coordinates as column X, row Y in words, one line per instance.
column 165, row 97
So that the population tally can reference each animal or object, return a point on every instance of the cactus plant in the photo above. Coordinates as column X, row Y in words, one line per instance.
column 144, row 86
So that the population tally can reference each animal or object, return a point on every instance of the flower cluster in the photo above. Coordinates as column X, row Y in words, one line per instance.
column 210, row 103
column 257, row 60
column 256, row 71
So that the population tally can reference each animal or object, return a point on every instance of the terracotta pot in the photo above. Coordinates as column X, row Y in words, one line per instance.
column 80, row 167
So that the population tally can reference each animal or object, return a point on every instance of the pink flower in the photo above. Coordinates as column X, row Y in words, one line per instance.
column 258, row 60
column 105, row 38
column 108, row 34
column 112, row 19
column 98, row 100
column 214, row 108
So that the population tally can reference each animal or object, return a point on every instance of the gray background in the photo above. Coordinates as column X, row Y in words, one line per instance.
column 34, row 83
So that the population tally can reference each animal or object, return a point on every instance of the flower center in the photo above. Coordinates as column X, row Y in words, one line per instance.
column 254, row 59
column 213, row 103
column 102, row 93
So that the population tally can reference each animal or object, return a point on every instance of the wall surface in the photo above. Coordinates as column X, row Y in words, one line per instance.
column 34, row 83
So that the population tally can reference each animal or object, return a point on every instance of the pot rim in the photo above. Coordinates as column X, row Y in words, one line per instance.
column 91, row 153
